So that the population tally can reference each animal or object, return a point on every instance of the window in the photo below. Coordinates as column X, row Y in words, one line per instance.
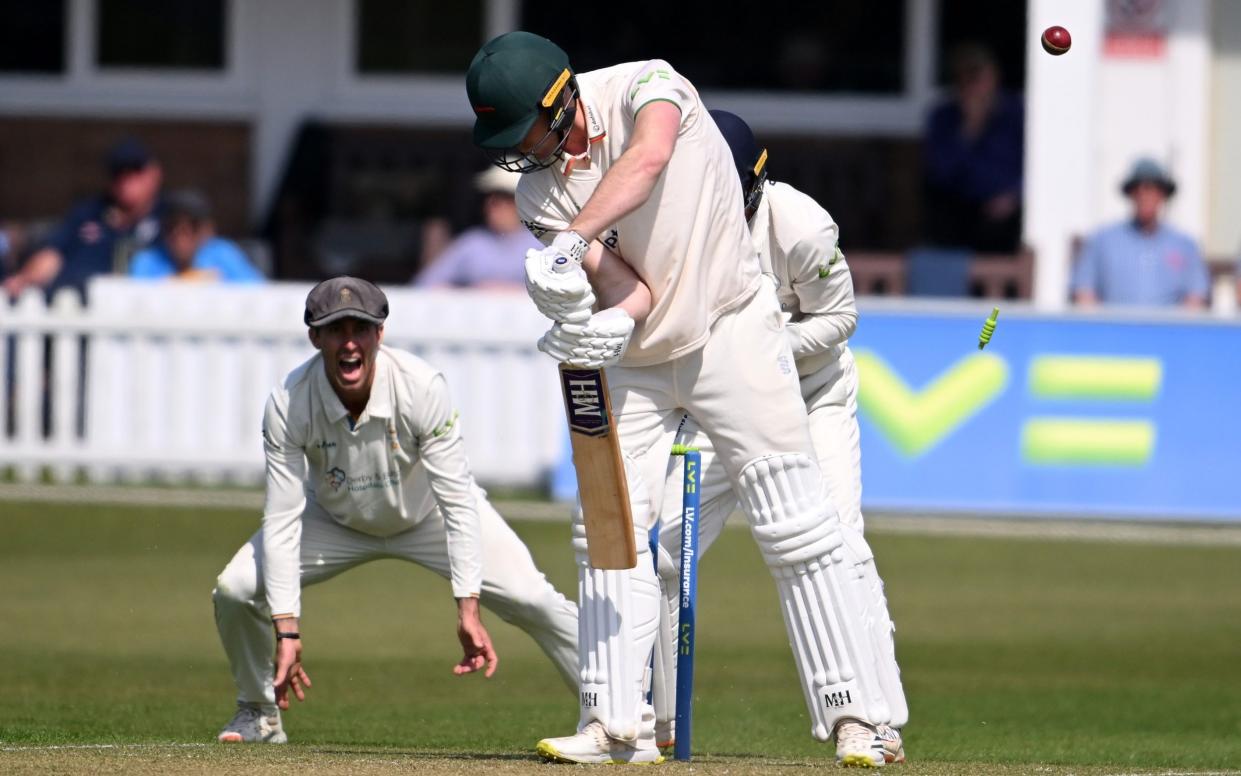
column 417, row 36
column 1000, row 27
column 165, row 34
column 32, row 36
column 840, row 46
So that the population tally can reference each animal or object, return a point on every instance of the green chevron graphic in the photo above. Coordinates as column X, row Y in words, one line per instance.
column 1095, row 377
column 1080, row 441
column 916, row 422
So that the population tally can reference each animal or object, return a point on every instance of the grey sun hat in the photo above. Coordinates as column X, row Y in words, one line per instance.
column 1148, row 170
column 345, row 297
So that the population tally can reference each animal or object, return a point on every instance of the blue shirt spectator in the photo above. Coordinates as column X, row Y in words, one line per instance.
column 973, row 159
column 100, row 234
column 189, row 248
column 1142, row 261
column 215, row 259
column 492, row 255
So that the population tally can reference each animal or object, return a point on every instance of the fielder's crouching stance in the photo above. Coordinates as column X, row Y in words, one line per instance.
column 796, row 241
column 627, row 174
column 365, row 460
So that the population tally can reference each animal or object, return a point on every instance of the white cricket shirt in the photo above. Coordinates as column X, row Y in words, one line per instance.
column 796, row 241
column 380, row 476
column 688, row 241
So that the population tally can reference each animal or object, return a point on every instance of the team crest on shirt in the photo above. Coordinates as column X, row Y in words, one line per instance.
column 335, row 477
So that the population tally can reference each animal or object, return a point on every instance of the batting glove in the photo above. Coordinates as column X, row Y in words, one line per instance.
column 599, row 342
column 556, row 281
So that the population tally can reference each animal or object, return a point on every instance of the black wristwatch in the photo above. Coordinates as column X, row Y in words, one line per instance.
column 287, row 635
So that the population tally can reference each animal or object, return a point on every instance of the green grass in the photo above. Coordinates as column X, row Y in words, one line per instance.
column 1014, row 653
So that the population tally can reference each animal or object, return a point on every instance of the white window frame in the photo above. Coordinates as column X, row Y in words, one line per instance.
column 86, row 88
column 439, row 99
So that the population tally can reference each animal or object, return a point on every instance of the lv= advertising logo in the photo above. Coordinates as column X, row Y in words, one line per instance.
column 914, row 421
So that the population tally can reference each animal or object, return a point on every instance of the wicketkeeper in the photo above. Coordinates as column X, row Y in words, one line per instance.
column 365, row 460
column 626, row 173
column 797, row 244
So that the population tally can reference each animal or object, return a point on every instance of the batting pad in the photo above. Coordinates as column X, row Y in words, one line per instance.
column 822, row 599
column 617, row 618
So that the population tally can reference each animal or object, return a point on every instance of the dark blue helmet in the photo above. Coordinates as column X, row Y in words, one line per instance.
column 749, row 158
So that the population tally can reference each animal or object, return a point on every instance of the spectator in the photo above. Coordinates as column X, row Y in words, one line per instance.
column 492, row 255
column 1142, row 261
column 973, row 159
column 189, row 248
column 100, row 234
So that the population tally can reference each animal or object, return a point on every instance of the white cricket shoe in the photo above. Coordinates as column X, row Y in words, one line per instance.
column 893, row 746
column 592, row 746
column 250, row 725
column 859, row 745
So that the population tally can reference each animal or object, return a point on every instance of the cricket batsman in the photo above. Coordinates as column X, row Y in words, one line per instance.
column 796, row 241
column 626, row 174
column 365, row 460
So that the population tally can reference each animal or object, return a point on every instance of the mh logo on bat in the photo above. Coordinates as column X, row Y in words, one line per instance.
column 583, row 397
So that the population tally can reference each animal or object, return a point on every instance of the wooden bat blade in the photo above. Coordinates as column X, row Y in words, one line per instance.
column 601, row 484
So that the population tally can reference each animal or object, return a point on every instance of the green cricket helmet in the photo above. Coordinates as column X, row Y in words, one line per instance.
column 512, row 81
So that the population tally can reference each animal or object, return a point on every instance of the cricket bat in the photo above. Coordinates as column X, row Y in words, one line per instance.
column 600, row 469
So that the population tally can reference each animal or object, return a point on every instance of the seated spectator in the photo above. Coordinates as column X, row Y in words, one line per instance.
column 189, row 248
column 100, row 234
column 1142, row 261
column 972, row 156
column 492, row 255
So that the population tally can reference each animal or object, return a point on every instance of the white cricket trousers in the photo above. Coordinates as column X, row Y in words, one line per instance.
column 743, row 388
column 513, row 588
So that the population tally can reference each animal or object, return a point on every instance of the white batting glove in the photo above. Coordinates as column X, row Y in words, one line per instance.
column 556, row 281
column 599, row 342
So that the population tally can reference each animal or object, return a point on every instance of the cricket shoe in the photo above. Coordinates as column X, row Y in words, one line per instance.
column 666, row 734
column 859, row 745
column 893, row 746
column 251, row 725
column 592, row 745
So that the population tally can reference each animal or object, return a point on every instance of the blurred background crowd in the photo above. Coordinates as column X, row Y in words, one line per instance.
column 167, row 140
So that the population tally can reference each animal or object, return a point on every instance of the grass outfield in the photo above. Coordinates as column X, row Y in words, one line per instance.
column 1019, row 656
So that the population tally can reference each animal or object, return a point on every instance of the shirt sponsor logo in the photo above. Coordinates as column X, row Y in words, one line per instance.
column 535, row 228
column 336, row 477
column 324, row 444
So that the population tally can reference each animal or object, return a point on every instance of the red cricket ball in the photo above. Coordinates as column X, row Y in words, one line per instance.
column 1056, row 40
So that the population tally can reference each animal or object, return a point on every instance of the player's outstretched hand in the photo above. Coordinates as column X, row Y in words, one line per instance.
column 475, row 641
column 289, row 672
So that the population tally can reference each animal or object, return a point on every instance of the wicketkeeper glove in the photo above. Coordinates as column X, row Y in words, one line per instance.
column 599, row 342
column 556, row 281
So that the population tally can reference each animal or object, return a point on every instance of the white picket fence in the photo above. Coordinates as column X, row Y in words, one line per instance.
column 167, row 382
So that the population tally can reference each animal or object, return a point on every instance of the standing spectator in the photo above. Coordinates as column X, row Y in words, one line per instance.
column 972, row 154
column 100, row 234
column 492, row 255
column 189, row 249
column 1142, row 261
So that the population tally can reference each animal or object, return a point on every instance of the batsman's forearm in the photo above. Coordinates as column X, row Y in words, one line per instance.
column 624, row 188
column 616, row 284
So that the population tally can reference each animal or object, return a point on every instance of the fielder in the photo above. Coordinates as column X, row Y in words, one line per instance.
column 796, row 241
column 626, row 173
column 365, row 460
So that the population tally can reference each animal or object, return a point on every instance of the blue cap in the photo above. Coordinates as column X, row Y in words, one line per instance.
column 128, row 154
